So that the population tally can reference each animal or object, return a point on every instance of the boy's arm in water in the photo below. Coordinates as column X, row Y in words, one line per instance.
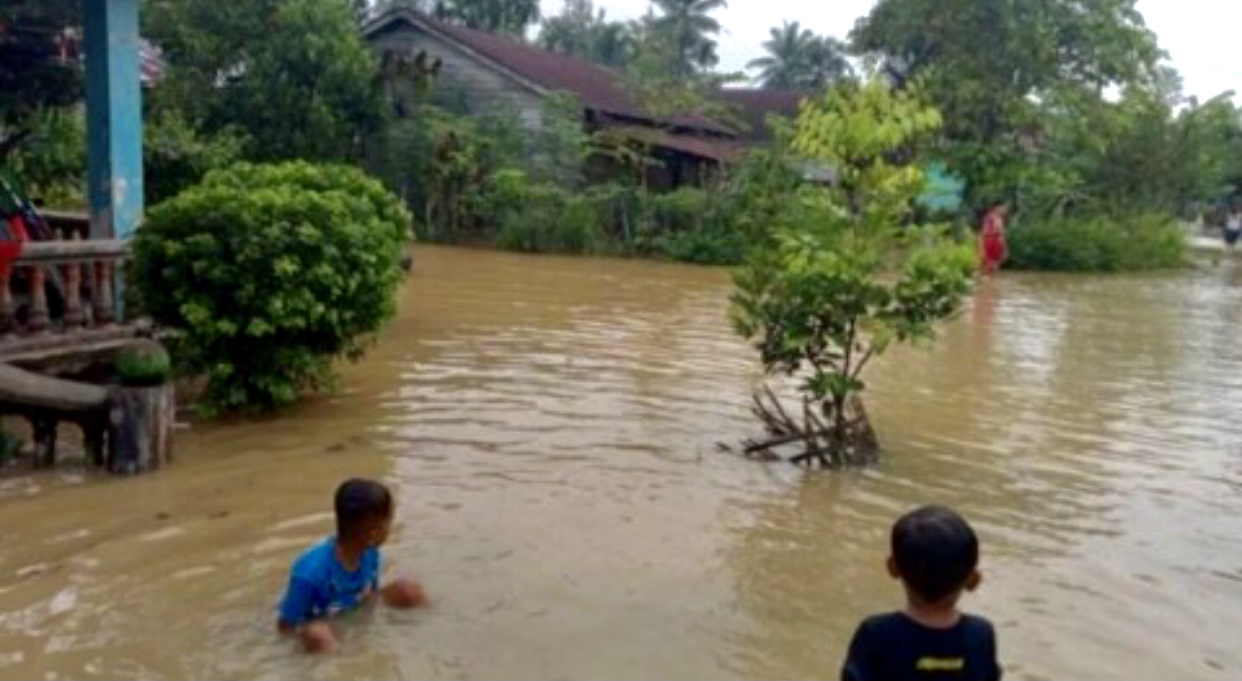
column 403, row 593
column 294, row 619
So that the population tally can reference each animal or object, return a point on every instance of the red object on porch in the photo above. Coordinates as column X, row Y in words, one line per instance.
column 11, row 248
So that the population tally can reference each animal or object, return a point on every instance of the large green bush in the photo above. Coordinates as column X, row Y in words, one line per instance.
column 1097, row 244
column 271, row 272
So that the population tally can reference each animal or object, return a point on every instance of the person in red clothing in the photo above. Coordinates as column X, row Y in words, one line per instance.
column 993, row 250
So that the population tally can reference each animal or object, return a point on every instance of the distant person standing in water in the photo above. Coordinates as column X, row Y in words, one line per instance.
column 1233, row 227
column 993, row 250
column 935, row 554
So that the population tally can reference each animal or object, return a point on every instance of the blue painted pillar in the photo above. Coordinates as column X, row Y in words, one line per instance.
column 113, row 117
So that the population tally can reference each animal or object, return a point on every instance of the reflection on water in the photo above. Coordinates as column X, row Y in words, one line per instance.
column 550, row 426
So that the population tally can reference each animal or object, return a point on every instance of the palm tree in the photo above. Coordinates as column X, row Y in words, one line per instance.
column 798, row 59
column 830, row 62
column 581, row 30
column 790, row 57
column 692, row 29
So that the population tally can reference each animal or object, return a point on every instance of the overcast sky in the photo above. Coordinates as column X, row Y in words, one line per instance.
column 1203, row 36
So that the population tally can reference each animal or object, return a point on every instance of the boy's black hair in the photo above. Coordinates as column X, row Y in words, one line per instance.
column 358, row 503
column 935, row 551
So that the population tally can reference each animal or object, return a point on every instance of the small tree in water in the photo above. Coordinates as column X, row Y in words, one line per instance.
column 845, row 275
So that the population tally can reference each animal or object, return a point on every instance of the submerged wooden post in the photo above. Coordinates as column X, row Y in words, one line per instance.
column 142, row 412
column 140, row 429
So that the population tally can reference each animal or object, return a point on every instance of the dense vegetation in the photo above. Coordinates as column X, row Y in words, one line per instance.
column 1098, row 244
column 1025, row 92
column 272, row 272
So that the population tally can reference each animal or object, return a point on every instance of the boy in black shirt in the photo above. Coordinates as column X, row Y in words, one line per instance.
column 935, row 555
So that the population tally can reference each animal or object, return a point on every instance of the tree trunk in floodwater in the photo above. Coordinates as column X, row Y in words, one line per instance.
column 843, row 436
column 140, row 429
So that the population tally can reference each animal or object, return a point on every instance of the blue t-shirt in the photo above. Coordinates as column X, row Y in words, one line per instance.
column 320, row 586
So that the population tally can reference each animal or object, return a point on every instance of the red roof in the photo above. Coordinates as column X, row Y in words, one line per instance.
column 598, row 88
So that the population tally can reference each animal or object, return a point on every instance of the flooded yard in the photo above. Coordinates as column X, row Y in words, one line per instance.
column 550, row 427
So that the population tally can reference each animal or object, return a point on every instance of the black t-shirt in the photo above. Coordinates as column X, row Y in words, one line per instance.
column 896, row 648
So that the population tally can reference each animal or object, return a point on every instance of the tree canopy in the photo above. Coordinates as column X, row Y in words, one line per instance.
column 494, row 16
column 988, row 65
column 690, row 31
column 581, row 30
column 294, row 77
column 35, row 69
column 798, row 59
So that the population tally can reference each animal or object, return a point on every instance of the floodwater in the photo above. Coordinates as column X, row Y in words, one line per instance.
column 550, row 428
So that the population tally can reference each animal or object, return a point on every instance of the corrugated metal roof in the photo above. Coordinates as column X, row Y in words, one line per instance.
column 710, row 148
column 596, row 87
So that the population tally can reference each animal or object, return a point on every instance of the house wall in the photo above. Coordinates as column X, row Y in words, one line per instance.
column 483, row 87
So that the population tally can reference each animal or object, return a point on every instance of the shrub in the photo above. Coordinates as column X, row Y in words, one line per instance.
column 692, row 225
column 271, row 272
column 549, row 220
column 718, row 245
column 1097, row 244
column 321, row 178
column 686, row 209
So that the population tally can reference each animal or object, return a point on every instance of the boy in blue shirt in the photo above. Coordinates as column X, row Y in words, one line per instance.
column 342, row 572
column 935, row 554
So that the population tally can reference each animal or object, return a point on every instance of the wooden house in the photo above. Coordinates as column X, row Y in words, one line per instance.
column 490, row 71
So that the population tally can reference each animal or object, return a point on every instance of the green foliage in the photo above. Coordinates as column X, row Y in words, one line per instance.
column 582, row 31
column 560, row 145
column 843, row 278
column 696, row 226
column 52, row 160
column 176, row 156
column 797, row 59
column 1135, row 155
column 988, row 66
column 714, row 244
column 688, row 30
column 143, row 363
column 271, row 272
column 292, row 77
column 545, row 218
column 32, row 76
column 320, row 179
column 493, row 16
column 685, row 209
column 1140, row 242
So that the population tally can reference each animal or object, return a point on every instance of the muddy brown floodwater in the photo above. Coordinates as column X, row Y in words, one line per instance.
column 549, row 426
